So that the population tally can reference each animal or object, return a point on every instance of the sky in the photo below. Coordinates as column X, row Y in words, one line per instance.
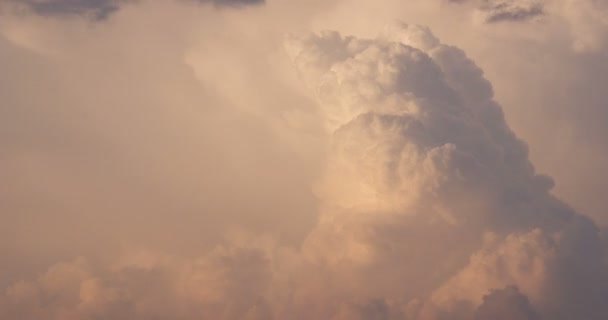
column 320, row 159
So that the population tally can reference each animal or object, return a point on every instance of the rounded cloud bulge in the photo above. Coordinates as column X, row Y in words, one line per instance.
column 424, row 171
column 428, row 209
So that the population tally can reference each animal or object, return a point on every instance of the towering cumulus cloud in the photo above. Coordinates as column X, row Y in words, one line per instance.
column 429, row 210
column 430, row 200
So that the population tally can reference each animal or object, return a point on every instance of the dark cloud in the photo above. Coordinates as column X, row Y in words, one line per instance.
column 231, row 3
column 510, row 10
column 94, row 9
column 102, row 9
column 506, row 304
column 494, row 11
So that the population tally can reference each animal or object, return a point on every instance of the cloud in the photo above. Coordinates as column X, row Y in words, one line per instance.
column 101, row 9
column 494, row 11
column 574, row 34
column 229, row 283
column 418, row 144
column 420, row 153
column 149, row 125
column 232, row 3
column 505, row 304
column 428, row 205
column 94, row 9
column 585, row 20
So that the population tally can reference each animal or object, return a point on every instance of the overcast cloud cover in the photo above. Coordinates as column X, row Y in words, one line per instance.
column 344, row 159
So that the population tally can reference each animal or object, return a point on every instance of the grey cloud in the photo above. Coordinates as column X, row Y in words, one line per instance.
column 494, row 11
column 231, row 3
column 506, row 304
column 95, row 9
column 102, row 9
column 510, row 10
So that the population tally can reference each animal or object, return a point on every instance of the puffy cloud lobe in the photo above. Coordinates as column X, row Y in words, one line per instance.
column 505, row 304
column 228, row 283
column 573, row 34
column 420, row 153
column 430, row 210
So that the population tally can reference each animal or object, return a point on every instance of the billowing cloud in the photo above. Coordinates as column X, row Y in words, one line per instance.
column 421, row 154
column 505, row 304
column 129, row 151
column 227, row 284
column 429, row 209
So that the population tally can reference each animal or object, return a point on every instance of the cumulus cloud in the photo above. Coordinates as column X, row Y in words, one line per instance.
column 229, row 283
column 428, row 205
column 97, row 119
column 418, row 144
column 505, row 304
column 563, row 57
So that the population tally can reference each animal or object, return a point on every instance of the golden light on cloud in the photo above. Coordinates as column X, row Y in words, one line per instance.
column 344, row 159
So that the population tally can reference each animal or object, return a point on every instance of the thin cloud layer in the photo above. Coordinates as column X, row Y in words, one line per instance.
column 494, row 11
column 429, row 209
column 101, row 9
column 231, row 3
column 94, row 9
